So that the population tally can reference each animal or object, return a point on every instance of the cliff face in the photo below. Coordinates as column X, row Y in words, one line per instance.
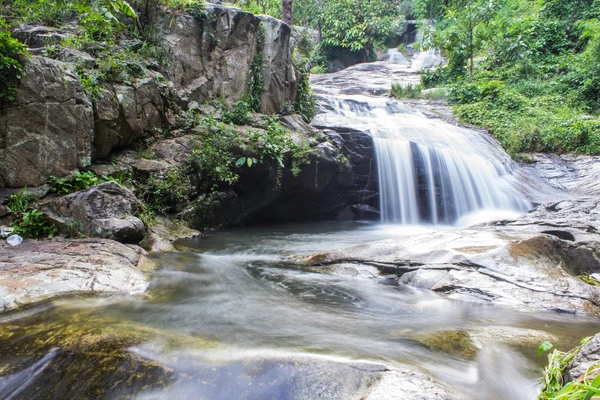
column 55, row 127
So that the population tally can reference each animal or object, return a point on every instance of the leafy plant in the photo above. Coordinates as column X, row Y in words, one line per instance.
column 239, row 115
column 306, row 103
column 79, row 181
column 19, row 202
column 33, row 224
column 11, row 64
column 553, row 387
column 256, row 83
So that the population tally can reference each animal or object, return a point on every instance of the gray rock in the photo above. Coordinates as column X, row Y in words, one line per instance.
column 588, row 356
column 510, row 263
column 127, row 114
column 279, row 74
column 38, row 270
column 211, row 59
column 48, row 130
column 106, row 211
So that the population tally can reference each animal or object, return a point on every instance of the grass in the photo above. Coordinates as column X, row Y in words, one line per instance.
column 409, row 91
column 553, row 386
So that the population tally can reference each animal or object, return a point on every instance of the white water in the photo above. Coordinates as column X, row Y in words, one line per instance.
column 432, row 172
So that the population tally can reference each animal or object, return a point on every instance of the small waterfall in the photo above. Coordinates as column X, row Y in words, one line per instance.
column 431, row 172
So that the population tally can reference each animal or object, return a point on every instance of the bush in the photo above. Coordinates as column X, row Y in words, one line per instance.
column 33, row 224
column 11, row 65
column 79, row 181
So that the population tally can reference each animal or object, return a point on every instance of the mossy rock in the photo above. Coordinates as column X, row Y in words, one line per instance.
column 456, row 342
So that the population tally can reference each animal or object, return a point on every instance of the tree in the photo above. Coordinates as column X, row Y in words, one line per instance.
column 286, row 11
column 458, row 34
column 358, row 24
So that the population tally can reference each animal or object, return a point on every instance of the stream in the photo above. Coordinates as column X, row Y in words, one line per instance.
column 234, row 315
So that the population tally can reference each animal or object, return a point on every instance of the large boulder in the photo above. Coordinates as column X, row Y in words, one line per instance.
column 38, row 270
column 107, row 211
column 49, row 129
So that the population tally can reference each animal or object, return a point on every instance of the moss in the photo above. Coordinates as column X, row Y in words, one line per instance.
column 88, row 351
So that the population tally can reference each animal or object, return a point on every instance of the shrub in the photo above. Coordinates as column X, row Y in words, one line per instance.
column 11, row 65
column 33, row 224
column 79, row 181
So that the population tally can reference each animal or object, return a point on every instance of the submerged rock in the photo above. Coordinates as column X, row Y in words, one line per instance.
column 37, row 270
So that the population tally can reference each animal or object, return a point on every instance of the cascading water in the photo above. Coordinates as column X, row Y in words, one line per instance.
column 430, row 171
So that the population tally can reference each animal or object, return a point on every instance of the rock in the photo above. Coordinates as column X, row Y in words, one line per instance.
column 507, row 263
column 127, row 114
column 38, row 270
column 48, row 131
column 105, row 211
column 211, row 59
column 588, row 355
column 161, row 236
column 279, row 74
column 36, row 36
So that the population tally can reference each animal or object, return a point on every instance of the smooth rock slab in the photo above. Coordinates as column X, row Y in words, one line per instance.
column 38, row 270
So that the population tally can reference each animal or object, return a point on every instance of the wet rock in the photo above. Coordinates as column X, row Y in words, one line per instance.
column 506, row 263
column 451, row 342
column 588, row 356
column 48, row 131
column 37, row 270
column 105, row 211
column 161, row 237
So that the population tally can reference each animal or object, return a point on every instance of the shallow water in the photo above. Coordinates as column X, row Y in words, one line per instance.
column 234, row 300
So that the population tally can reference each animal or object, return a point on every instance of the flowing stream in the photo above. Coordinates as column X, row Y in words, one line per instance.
column 233, row 316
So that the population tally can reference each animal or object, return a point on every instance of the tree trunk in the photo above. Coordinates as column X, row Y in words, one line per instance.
column 286, row 11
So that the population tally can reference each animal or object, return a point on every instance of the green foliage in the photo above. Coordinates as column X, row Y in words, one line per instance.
column 256, row 7
column 239, row 115
column 409, row 91
column 358, row 25
column 166, row 190
column 553, row 387
column 19, row 202
column 306, row 103
column 536, row 71
column 33, row 224
column 11, row 65
column 85, row 180
column 79, row 181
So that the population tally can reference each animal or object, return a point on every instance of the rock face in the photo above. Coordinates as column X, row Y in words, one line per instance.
column 127, row 114
column 212, row 59
column 36, row 270
column 512, row 263
column 279, row 74
column 588, row 356
column 105, row 211
column 49, row 129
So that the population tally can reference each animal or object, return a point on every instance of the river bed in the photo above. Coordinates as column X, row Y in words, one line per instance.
column 232, row 315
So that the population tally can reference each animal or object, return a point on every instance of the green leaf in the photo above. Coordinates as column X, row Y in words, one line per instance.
column 249, row 161
column 545, row 346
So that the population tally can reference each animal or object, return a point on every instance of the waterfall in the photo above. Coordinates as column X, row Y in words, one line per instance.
column 430, row 172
